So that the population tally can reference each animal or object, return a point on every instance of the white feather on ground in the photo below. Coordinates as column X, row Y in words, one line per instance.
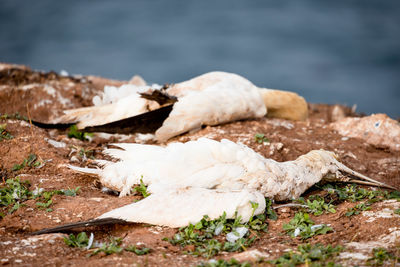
column 207, row 177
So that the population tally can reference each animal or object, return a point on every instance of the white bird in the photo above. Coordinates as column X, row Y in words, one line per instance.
column 210, row 99
column 207, row 177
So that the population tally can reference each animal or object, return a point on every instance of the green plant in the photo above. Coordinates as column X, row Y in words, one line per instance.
column 269, row 211
column 260, row 138
column 380, row 256
column 138, row 251
column 397, row 211
column 355, row 193
column 301, row 225
column 71, row 192
column 30, row 161
column 317, row 205
column 14, row 193
column 310, row 255
column 206, row 235
column 357, row 209
column 4, row 134
column 81, row 240
column 141, row 189
column 86, row 153
column 224, row 263
column 14, row 116
column 46, row 197
column 110, row 248
column 393, row 195
column 73, row 132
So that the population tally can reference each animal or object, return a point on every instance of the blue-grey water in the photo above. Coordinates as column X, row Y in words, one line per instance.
column 341, row 51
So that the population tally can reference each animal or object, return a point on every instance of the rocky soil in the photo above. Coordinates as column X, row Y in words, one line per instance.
column 40, row 96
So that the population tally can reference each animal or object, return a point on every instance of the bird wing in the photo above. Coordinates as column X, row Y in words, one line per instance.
column 115, row 103
column 179, row 207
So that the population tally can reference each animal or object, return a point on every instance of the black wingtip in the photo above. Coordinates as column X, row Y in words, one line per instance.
column 147, row 122
column 45, row 125
column 70, row 226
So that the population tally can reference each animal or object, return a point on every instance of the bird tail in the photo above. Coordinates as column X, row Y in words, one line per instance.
column 85, row 170
column 70, row 226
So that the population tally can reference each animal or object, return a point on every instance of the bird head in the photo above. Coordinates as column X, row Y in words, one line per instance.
column 338, row 172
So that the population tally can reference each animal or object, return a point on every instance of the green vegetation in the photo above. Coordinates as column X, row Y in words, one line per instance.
column 86, row 153
column 397, row 211
column 269, row 211
column 224, row 263
column 206, row 236
column 310, row 255
column 71, row 192
column 46, row 197
column 357, row 209
column 110, row 248
column 137, row 251
column 30, row 161
column 301, row 225
column 317, row 205
column 141, row 189
column 73, row 132
column 381, row 256
column 81, row 240
column 14, row 116
column 15, row 192
column 260, row 138
column 4, row 135
column 355, row 193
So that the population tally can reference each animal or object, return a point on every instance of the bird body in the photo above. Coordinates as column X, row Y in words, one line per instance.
column 209, row 99
column 207, row 177
column 206, row 163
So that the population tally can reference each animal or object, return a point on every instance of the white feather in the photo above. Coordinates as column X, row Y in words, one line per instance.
column 179, row 207
column 209, row 99
column 114, row 104
column 206, row 177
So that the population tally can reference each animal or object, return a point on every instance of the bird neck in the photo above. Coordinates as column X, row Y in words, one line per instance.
column 288, row 180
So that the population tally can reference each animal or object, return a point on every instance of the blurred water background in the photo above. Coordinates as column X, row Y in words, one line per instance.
column 341, row 51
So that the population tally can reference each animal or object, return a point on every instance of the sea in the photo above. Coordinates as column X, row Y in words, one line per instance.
column 337, row 52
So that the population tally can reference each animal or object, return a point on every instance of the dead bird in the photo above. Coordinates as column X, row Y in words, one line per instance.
column 209, row 99
column 206, row 177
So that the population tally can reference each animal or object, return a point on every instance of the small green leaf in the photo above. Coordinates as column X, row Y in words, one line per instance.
column 138, row 251
column 260, row 138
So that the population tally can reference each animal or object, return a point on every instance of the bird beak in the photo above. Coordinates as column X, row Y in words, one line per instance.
column 350, row 176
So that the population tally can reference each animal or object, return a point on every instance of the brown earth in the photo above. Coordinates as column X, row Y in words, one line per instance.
column 42, row 95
